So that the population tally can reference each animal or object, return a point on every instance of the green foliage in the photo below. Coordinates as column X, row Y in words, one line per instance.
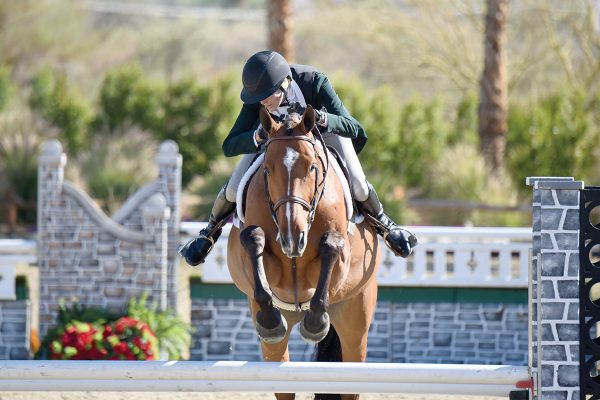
column 19, row 149
column 465, row 124
column 552, row 137
column 404, row 139
column 174, row 335
column 207, row 186
column 423, row 135
column 68, row 313
column 6, row 87
column 460, row 174
column 126, row 98
column 197, row 117
column 51, row 98
column 114, row 166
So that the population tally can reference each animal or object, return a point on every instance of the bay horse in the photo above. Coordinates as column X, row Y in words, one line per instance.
column 297, row 257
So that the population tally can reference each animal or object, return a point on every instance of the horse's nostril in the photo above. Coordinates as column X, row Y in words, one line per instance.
column 282, row 242
column 302, row 240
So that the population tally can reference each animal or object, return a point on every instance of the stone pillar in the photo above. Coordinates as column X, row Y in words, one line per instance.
column 155, row 214
column 51, row 164
column 554, row 290
column 169, row 163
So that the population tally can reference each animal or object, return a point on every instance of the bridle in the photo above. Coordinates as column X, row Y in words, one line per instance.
column 319, row 190
column 311, row 206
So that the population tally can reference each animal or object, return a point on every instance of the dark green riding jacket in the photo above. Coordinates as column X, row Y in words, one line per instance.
column 317, row 92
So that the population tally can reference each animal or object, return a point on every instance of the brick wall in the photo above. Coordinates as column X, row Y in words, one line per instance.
column 401, row 332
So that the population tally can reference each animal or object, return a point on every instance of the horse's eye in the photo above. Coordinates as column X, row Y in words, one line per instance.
column 313, row 167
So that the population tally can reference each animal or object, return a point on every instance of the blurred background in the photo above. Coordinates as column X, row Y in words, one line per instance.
column 461, row 99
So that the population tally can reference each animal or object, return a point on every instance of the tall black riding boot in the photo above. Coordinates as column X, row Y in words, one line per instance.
column 399, row 240
column 196, row 250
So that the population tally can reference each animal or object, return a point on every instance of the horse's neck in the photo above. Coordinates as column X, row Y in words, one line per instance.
column 333, row 205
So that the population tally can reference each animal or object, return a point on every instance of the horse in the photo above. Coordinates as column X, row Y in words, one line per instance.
column 296, row 255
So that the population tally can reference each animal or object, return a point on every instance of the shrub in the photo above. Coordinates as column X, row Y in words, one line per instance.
column 127, row 98
column 115, row 166
column 52, row 99
column 19, row 149
column 173, row 334
column 6, row 87
column 125, row 339
column 552, row 137
column 461, row 175
column 139, row 333
column 197, row 117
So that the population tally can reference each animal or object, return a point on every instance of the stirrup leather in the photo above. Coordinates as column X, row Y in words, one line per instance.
column 384, row 230
column 381, row 228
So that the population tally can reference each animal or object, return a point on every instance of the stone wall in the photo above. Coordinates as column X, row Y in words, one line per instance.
column 401, row 332
column 86, row 256
column 15, row 320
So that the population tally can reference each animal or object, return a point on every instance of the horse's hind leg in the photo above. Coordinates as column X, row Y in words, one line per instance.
column 352, row 320
column 315, row 325
column 270, row 325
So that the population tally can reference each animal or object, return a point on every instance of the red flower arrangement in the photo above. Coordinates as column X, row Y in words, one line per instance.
column 125, row 339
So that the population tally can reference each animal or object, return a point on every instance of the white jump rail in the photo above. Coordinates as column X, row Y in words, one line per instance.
column 445, row 257
column 231, row 376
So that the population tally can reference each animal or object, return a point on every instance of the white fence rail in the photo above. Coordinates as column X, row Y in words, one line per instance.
column 228, row 376
column 13, row 252
column 445, row 257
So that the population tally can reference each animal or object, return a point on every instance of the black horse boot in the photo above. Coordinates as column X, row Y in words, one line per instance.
column 196, row 250
column 399, row 240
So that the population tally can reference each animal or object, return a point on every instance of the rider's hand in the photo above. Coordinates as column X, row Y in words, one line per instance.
column 321, row 118
column 260, row 135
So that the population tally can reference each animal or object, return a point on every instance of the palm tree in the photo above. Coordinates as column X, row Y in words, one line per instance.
column 493, row 92
column 280, row 27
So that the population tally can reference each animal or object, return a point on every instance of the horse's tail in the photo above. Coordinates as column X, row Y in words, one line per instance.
column 329, row 349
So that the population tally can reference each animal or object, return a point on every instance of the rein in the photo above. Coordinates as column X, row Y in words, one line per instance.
column 310, row 207
column 319, row 190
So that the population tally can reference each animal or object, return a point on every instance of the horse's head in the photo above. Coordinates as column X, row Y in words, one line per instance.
column 293, row 173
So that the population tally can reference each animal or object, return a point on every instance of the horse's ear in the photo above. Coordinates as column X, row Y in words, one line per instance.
column 266, row 121
column 308, row 119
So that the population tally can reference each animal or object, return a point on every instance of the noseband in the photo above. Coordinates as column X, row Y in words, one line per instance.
column 311, row 206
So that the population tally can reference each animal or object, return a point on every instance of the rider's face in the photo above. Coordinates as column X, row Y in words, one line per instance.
column 273, row 101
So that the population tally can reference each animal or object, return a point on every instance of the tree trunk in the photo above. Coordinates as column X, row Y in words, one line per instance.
column 493, row 90
column 280, row 25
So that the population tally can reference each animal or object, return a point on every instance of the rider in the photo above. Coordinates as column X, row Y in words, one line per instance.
column 269, row 80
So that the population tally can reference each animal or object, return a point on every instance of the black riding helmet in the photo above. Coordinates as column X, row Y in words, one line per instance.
column 263, row 74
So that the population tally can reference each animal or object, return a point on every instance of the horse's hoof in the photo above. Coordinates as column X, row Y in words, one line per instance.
column 272, row 335
column 314, row 335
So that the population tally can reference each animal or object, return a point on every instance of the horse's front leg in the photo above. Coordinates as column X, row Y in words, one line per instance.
column 315, row 325
column 270, row 325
